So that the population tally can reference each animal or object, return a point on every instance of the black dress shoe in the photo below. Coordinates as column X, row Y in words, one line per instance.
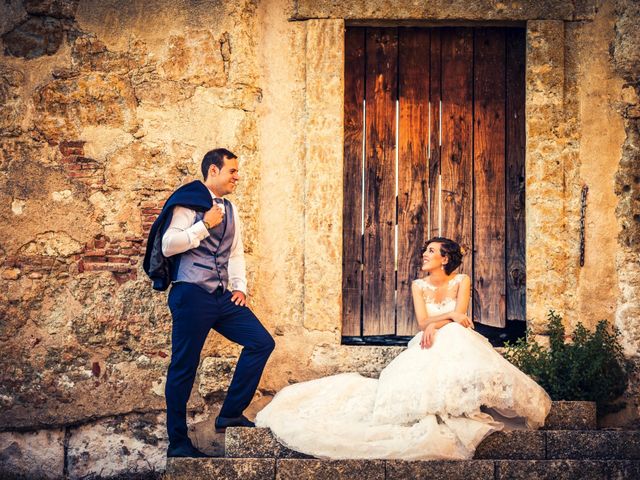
column 223, row 422
column 185, row 451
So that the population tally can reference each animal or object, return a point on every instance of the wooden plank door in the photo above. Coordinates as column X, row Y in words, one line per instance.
column 489, row 173
column 413, row 171
column 435, row 133
column 434, row 146
column 354, row 80
column 515, row 186
column 456, row 191
column 380, row 204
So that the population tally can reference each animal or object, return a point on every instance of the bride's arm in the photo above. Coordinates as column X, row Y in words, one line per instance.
column 420, row 309
column 457, row 315
column 464, row 295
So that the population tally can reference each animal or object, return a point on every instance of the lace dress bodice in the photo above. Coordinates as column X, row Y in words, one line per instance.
column 429, row 292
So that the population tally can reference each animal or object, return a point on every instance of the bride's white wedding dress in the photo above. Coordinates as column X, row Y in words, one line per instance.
column 425, row 405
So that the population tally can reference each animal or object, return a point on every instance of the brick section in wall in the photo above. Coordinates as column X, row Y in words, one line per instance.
column 79, row 167
column 104, row 254
column 117, row 256
column 150, row 211
column 36, row 267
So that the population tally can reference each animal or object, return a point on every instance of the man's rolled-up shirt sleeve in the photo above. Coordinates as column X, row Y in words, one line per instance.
column 237, row 264
column 183, row 234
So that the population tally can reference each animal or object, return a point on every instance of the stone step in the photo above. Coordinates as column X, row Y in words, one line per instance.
column 571, row 416
column 514, row 445
column 219, row 468
column 561, row 444
column 302, row 469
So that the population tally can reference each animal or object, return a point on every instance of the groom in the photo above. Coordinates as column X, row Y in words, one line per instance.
column 195, row 245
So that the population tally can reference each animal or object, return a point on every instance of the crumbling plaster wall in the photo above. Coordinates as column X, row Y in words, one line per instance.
column 625, row 54
column 106, row 107
column 103, row 130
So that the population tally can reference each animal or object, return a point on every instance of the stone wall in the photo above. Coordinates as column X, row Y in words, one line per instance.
column 107, row 106
column 625, row 54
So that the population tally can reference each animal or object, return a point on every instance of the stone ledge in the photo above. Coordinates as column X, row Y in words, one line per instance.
column 32, row 454
column 299, row 469
column 600, row 445
column 436, row 10
column 515, row 445
column 622, row 469
column 220, row 468
column 550, row 470
column 451, row 470
column 256, row 443
column 571, row 416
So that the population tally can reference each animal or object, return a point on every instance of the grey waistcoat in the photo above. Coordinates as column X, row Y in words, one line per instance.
column 206, row 265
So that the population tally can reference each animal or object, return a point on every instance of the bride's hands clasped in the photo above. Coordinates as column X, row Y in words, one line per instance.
column 429, row 332
column 428, row 336
column 462, row 319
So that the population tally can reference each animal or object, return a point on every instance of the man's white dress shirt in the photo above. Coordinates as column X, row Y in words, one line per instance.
column 183, row 235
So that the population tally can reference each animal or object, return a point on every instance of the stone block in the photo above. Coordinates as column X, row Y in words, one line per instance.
column 133, row 444
column 256, row 443
column 546, row 257
column 249, row 442
column 66, row 106
column 604, row 445
column 297, row 469
column 35, row 37
column 514, row 445
column 367, row 360
column 32, row 455
column 585, row 9
column 323, row 232
column 434, row 10
column 215, row 375
column 11, row 106
column 204, row 437
column 197, row 58
column 626, row 54
column 550, row 470
column 622, row 470
column 545, row 63
column 53, row 8
column 451, row 470
column 220, row 468
column 571, row 416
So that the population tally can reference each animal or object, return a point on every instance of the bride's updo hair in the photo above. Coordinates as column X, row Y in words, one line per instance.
column 449, row 249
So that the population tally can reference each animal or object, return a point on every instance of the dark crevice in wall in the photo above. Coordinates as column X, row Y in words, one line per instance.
column 67, row 438
column 44, row 30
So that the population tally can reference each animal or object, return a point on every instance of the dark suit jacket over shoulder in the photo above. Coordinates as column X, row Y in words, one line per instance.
column 195, row 196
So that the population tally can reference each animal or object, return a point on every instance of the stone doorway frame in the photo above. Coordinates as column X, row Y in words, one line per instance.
column 546, row 263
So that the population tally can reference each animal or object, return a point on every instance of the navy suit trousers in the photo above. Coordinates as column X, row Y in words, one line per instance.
column 195, row 312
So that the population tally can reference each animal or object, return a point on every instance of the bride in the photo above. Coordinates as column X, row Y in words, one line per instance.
column 438, row 399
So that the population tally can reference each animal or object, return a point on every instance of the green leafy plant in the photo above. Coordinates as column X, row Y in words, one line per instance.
column 590, row 366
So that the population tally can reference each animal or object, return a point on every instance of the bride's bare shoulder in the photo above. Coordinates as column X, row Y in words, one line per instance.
column 419, row 283
column 460, row 277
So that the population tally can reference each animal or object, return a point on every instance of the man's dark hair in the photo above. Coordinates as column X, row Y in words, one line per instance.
column 215, row 157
